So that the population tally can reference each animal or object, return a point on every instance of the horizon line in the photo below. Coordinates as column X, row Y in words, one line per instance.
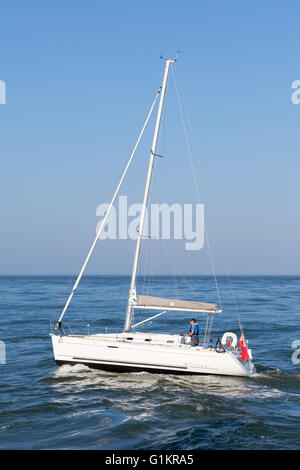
column 148, row 275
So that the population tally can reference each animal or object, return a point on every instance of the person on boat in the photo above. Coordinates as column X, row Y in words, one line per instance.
column 194, row 332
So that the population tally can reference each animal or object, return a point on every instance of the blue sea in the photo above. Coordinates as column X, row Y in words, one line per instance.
column 43, row 406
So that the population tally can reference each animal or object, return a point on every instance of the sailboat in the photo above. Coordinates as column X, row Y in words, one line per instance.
column 132, row 350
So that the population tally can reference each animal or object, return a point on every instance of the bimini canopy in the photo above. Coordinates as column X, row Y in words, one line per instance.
column 148, row 302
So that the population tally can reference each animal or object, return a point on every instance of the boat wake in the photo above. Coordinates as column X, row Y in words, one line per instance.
column 265, row 384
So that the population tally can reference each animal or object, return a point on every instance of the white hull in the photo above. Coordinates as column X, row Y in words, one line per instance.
column 146, row 352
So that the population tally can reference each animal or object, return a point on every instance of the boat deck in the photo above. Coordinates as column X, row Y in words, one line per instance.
column 157, row 339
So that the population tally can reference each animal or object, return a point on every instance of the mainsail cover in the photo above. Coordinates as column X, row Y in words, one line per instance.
column 146, row 301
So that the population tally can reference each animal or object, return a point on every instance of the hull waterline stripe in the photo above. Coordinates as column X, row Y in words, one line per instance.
column 129, row 363
column 123, row 368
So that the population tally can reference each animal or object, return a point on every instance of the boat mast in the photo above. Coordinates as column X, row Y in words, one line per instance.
column 58, row 325
column 132, row 291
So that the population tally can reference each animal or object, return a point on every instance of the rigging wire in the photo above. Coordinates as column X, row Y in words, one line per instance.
column 232, row 294
column 208, row 323
column 179, row 274
column 195, row 180
column 63, row 295
column 150, row 277
column 222, row 254
column 153, row 192
column 107, row 213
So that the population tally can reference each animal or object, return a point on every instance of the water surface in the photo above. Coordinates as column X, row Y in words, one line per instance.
column 43, row 406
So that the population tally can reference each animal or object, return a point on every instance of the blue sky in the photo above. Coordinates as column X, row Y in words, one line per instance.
column 80, row 78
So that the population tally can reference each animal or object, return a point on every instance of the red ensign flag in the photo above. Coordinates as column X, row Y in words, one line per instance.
column 242, row 345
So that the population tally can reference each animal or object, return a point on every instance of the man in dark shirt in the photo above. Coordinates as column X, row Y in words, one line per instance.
column 194, row 332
